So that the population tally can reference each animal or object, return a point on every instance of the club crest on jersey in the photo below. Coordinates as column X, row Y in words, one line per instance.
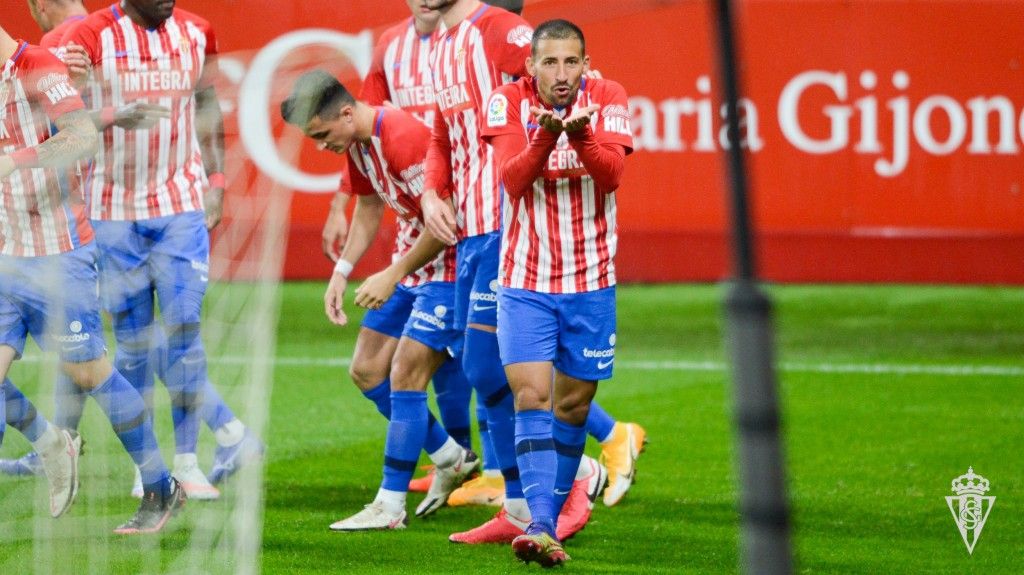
column 520, row 35
column 497, row 111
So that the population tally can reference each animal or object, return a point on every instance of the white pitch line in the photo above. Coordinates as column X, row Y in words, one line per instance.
column 716, row 366
column 676, row 365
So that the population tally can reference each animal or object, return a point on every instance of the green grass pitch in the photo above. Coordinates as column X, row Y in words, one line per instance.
column 888, row 392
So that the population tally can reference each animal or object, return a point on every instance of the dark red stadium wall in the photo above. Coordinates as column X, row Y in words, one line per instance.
column 845, row 189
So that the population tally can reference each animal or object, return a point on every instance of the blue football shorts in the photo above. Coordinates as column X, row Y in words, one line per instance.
column 390, row 319
column 170, row 255
column 55, row 299
column 576, row 332
column 476, row 280
column 432, row 320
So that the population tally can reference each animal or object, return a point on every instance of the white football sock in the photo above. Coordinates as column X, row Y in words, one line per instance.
column 392, row 501
column 49, row 440
column 518, row 512
column 230, row 433
column 586, row 468
column 492, row 473
column 185, row 460
column 448, row 454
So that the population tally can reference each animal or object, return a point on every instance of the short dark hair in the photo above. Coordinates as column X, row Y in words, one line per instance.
column 315, row 93
column 557, row 30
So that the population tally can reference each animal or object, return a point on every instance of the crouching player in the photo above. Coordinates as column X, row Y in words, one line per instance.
column 560, row 141
column 48, row 277
column 386, row 150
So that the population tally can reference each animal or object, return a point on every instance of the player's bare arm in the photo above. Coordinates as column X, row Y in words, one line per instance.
column 365, row 223
column 377, row 289
column 134, row 116
column 438, row 211
column 335, row 232
column 439, row 216
column 76, row 140
column 210, row 129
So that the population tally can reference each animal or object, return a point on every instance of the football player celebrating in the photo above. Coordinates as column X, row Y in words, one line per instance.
column 560, row 141
column 386, row 150
column 154, row 191
column 400, row 75
column 48, row 278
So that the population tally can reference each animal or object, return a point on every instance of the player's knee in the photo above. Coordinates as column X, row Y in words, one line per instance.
column 572, row 412
column 408, row 376
column 529, row 397
column 367, row 373
column 88, row 374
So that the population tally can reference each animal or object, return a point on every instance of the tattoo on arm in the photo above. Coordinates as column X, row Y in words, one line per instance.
column 210, row 125
column 75, row 140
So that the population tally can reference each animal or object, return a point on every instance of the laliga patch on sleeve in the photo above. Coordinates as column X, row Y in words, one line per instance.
column 520, row 35
column 497, row 111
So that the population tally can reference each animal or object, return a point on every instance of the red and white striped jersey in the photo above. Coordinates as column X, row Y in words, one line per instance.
column 147, row 173
column 560, row 237
column 37, row 215
column 400, row 71
column 484, row 51
column 391, row 165
column 400, row 74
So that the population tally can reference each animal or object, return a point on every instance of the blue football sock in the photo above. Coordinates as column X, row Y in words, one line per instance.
column 406, row 431
column 569, row 443
column 535, row 454
column 69, row 402
column 21, row 414
column 133, row 330
column 482, row 366
column 212, row 409
column 3, row 408
column 380, row 395
column 490, row 461
column 186, row 378
column 599, row 424
column 127, row 414
column 453, row 393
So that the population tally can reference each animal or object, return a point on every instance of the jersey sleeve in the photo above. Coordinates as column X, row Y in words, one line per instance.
column 613, row 125
column 49, row 85
column 504, row 113
column 210, row 68
column 375, row 85
column 507, row 39
column 84, row 35
column 360, row 185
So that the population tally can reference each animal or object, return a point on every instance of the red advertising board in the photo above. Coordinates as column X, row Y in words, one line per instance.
column 886, row 139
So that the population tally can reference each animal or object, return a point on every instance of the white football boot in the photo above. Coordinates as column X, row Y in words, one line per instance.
column 373, row 517
column 446, row 480
column 60, row 464
column 192, row 479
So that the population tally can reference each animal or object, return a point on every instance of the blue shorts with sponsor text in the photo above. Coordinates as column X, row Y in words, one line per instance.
column 576, row 332
column 476, row 280
column 390, row 319
column 54, row 299
column 425, row 313
column 432, row 320
column 170, row 255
